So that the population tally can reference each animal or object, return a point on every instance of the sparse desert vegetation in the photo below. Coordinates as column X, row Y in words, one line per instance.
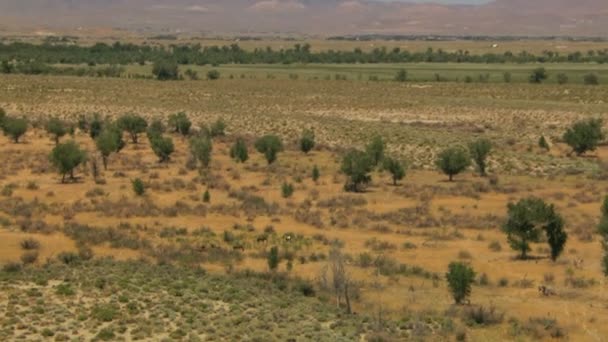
column 302, row 209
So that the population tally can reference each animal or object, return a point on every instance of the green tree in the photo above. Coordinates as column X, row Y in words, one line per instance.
column 66, row 157
column 453, row 161
column 165, row 70
column 357, row 165
column 526, row 222
column 218, row 128
column 56, row 128
column 273, row 259
column 206, row 196
column 375, row 150
column 603, row 231
column 538, row 75
column 270, row 146
column 395, row 168
column 307, row 141
column 479, row 150
column 2, row 117
column 238, row 151
column 460, row 278
column 107, row 142
column 161, row 146
column 15, row 128
column 133, row 124
column 139, row 188
column 201, row 148
column 180, row 123
column 584, row 135
column 401, row 76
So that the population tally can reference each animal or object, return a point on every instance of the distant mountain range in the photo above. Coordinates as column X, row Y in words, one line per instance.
column 326, row 17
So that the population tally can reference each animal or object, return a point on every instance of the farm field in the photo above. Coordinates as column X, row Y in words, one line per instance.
column 177, row 255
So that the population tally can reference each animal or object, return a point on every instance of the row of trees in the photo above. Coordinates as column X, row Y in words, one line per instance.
column 123, row 54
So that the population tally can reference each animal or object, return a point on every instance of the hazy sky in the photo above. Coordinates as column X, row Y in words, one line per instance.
column 442, row 1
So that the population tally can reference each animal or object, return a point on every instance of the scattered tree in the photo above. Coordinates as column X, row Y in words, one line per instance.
column 218, row 128
column 66, row 157
column 57, row 129
column 479, row 150
column 15, row 128
column 201, row 148
column 335, row 277
column 109, row 141
column 603, row 231
column 401, row 76
column 287, row 190
column 95, row 127
column 206, row 196
column 538, row 75
column 270, row 146
column 357, row 165
column 180, row 123
column 375, row 150
column 133, row 124
column 396, row 169
column 460, row 278
column 584, row 135
column 162, row 146
column 165, row 70
column 453, row 161
column 238, row 151
column 307, row 141
column 2, row 117
column 526, row 221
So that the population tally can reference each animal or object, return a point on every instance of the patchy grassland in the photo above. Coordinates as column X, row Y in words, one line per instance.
column 397, row 240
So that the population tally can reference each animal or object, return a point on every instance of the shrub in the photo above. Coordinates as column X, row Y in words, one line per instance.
column 480, row 315
column 584, row 135
column 105, row 312
column 495, row 246
column 591, row 79
column 357, row 165
column 30, row 244
column 14, row 128
column 206, row 196
column 66, row 157
column 11, row 267
column 453, row 161
column 56, row 128
column 479, row 150
column 287, row 190
column 68, row 258
column 401, row 76
column 542, row 143
column 238, row 151
column 29, row 257
column 139, row 187
column 460, row 277
column 270, row 146
column 395, row 168
column 273, row 258
column 562, row 78
column 307, row 141
column 315, row 173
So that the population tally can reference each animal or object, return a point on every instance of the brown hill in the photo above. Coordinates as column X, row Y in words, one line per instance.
column 508, row 17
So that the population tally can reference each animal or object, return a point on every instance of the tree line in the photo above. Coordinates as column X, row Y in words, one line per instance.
column 17, row 53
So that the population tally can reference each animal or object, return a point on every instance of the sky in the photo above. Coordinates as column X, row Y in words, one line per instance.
column 468, row 2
